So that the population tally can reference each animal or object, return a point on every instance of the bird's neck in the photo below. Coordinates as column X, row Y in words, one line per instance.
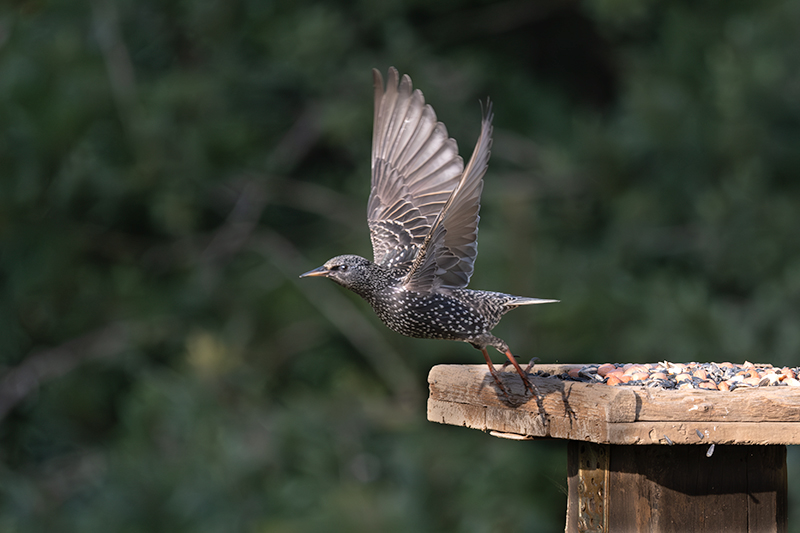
column 381, row 279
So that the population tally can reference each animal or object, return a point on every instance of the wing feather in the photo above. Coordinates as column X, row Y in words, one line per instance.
column 423, row 209
column 415, row 167
column 447, row 255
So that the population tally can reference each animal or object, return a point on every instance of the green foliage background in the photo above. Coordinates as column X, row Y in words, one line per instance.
column 167, row 169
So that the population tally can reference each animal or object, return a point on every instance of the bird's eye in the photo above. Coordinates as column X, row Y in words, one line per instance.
column 342, row 267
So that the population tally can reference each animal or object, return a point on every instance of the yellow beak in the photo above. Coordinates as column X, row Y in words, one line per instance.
column 321, row 271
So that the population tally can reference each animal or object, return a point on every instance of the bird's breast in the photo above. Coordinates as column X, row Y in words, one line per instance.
column 434, row 315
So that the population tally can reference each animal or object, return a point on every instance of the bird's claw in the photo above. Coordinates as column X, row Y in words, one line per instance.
column 530, row 386
column 522, row 374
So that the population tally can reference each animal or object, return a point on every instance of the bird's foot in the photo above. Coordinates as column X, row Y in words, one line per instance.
column 493, row 372
column 528, row 369
column 523, row 374
column 530, row 387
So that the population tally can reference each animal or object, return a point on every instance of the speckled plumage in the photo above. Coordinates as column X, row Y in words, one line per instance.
column 423, row 219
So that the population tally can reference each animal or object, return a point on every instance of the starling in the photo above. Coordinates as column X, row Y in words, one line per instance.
column 423, row 220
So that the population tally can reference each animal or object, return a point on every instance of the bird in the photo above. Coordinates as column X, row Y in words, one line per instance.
column 422, row 214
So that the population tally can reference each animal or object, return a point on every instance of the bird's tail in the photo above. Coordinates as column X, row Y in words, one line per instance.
column 529, row 301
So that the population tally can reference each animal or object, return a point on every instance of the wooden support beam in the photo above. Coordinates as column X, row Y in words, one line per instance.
column 676, row 488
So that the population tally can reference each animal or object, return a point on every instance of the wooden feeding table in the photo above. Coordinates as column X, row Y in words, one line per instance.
column 640, row 458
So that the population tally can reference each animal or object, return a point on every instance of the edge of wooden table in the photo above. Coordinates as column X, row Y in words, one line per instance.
column 466, row 395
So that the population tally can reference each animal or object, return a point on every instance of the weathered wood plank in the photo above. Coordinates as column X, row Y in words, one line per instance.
column 466, row 395
column 768, row 404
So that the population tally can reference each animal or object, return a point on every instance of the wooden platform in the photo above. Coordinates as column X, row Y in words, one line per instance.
column 466, row 395
column 641, row 459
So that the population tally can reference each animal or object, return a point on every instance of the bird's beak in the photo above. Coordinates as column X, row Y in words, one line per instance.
column 320, row 271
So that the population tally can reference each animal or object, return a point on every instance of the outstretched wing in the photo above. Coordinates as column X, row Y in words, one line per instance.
column 447, row 255
column 415, row 168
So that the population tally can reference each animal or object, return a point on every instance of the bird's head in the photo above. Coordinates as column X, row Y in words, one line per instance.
column 350, row 271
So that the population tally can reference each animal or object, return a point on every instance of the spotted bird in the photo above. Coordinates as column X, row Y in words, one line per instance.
column 423, row 220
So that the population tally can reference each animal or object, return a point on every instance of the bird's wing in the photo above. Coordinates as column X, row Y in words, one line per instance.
column 415, row 168
column 447, row 255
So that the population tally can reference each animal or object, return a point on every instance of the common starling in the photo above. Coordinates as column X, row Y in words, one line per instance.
column 423, row 220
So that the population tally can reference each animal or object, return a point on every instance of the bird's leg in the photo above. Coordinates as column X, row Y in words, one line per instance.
column 493, row 371
column 533, row 361
column 528, row 368
column 528, row 385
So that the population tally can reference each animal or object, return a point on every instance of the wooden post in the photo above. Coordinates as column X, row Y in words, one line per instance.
column 642, row 459
column 676, row 488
